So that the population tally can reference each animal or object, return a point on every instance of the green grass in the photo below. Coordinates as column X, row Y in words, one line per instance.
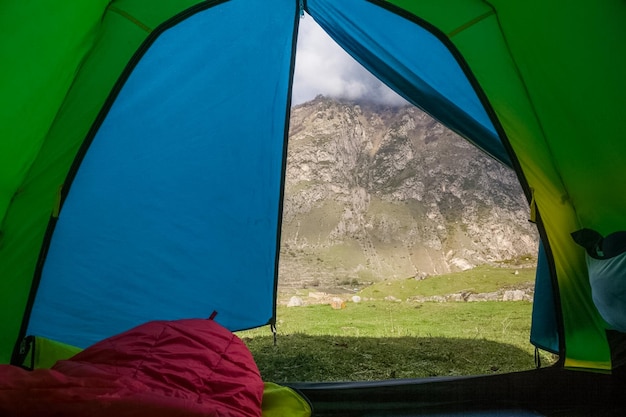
column 477, row 280
column 301, row 357
column 378, row 339
column 392, row 319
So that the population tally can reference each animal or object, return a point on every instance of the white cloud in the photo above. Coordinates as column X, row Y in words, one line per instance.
column 322, row 67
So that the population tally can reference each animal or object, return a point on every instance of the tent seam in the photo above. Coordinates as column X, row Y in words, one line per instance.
column 130, row 18
column 470, row 23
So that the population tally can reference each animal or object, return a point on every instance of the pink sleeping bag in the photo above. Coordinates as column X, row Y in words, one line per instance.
column 162, row 368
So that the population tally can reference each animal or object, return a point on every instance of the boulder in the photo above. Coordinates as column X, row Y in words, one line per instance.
column 295, row 302
column 337, row 303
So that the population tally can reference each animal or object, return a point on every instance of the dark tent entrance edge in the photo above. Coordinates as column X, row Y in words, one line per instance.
column 550, row 391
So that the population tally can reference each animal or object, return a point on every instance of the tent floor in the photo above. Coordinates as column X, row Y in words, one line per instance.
column 542, row 392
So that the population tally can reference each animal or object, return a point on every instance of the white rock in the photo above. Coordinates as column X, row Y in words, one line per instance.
column 295, row 302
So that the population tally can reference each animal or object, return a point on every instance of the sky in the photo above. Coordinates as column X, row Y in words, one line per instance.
column 322, row 67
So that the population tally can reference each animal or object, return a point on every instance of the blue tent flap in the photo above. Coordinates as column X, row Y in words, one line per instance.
column 147, row 237
column 413, row 62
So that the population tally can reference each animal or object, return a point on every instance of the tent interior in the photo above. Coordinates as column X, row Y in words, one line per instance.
column 142, row 161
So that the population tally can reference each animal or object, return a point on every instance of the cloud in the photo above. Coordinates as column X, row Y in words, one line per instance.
column 322, row 67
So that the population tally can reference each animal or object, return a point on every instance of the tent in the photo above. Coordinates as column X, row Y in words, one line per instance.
column 142, row 149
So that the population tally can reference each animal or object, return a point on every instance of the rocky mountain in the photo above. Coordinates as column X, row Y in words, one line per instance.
column 375, row 193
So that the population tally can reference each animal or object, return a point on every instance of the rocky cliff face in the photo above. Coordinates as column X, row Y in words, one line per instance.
column 377, row 193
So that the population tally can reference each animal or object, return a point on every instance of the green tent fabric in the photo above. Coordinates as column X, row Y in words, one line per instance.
column 55, row 79
column 541, row 87
column 557, row 91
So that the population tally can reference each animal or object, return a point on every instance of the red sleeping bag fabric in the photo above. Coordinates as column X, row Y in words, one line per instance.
column 163, row 368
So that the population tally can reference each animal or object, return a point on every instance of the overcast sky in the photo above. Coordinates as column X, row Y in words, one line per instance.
column 322, row 67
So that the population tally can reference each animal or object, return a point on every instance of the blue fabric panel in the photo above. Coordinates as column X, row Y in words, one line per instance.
column 607, row 278
column 411, row 61
column 174, row 212
column 544, row 330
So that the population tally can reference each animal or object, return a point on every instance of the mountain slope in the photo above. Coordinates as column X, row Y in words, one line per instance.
column 376, row 193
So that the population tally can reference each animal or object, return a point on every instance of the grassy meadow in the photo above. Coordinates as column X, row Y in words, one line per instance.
column 387, row 335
